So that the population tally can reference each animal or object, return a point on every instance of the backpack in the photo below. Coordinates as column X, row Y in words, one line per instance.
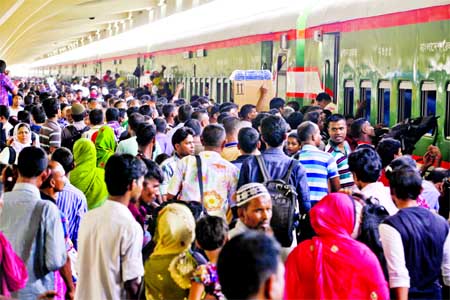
column 70, row 135
column 12, row 155
column 373, row 214
column 284, row 197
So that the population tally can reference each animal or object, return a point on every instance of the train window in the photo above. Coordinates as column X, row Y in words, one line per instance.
column 428, row 98
column 384, row 102
column 365, row 95
column 349, row 92
column 405, row 100
column 447, row 114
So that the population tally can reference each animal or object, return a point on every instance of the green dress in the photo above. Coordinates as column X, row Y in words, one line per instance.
column 86, row 176
column 105, row 144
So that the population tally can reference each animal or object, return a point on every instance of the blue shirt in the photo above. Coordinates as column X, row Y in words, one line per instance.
column 72, row 202
column 277, row 164
column 320, row 167
column 16, row 220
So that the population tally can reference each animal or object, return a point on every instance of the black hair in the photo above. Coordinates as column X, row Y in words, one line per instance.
column 167, row 109
column 231, row 124
column 335, row 118
column 226, row 107
column 120, row 171
column 211, row 232
column 213, row 110
column 51, row 107
column 185, row 112
column 366, row 164
column 161, row 158
column 223, row 116
column 153, row 170
column 4, row 111
column 80, row 117
column 248, row 139
column 294, row 104
column 255, row 255
column 356, row 128
column 28, row 100
column 132, row 110
column 313, row 116
column 2, row 66
column 305, row 130
column 37, row 112
column 134, row 120
column 273, row 130
column 96, row 117
column 65, row 157
column 145, row 134
column 112, row 114
column 9, row 178
column 256, row 122
column 145, row 110
column 24, row 116
column 387, row 149
column 122, row 113
column 245, row 110
column 161, row 125
column 323, row 97
column 295, row 119
column 195, row 125
column 118, row 103
column 181, row 134
column 213, row 135
column 437, row 175
column 32, row 162
column 277, row 103
column 198, row 114
column 405, row 182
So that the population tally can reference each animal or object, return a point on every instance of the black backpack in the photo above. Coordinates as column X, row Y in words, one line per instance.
column 373, row 214
column 70, row 135
column 284, row 198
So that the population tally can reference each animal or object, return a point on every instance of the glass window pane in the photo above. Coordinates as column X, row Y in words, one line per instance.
column 349, row 100
column 431, row 103
column 386, row 106
column 366, row 93
column 407, row 100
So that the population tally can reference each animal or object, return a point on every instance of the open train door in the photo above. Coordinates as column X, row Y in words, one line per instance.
column 330, row 61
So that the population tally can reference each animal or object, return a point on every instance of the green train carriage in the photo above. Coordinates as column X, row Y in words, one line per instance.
column 393, row 55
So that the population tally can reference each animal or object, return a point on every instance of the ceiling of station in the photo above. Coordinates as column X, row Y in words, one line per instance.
column 32, row 29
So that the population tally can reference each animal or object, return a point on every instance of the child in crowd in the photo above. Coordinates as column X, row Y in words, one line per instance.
column 293, row 144
column 212, row 234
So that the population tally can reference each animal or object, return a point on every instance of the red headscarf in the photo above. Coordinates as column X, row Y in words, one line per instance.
column 333, row 265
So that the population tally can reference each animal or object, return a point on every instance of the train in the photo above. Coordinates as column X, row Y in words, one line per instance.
column 391, row 56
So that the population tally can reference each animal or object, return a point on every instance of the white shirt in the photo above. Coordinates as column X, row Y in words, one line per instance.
column 109, row 252
column 383, row 194
column 395, row 257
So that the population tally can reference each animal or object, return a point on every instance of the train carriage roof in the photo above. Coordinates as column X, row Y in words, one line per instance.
column 216, row 21
column 343, row 10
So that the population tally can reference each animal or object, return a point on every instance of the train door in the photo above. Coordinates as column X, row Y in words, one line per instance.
column 330, row 56
column 282, row 66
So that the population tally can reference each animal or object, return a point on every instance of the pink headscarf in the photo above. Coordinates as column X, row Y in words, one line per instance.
column 13, row 275
column 332, row 265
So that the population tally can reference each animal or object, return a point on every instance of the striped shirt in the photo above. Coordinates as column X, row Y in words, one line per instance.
column 72, row 202
column 345, row 176
column 50, row 135
column 320, row 167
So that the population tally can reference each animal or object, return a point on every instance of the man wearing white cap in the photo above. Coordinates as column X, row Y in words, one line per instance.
column 254, row 209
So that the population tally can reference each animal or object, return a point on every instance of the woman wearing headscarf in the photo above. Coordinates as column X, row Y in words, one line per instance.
column 332, row 265
column 169, row 269
column 105, row 144
column 22, row 137
column 86, row 176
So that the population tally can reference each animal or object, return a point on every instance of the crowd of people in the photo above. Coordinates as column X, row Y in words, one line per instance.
column 115, row 193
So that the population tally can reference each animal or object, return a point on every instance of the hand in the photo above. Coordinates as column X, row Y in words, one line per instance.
column 48, row 295
column 264, row 90
column 180, row 86
column 70, row 295
column 432, row 156
column 361, row 103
